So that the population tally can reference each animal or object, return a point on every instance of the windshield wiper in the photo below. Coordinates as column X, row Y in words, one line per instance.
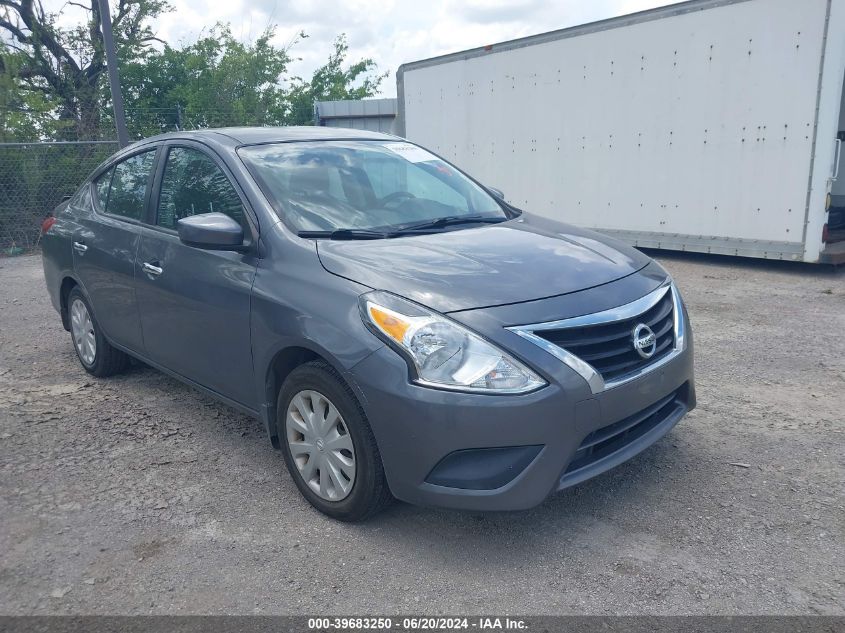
column 420, row 227
column 346, row 234
column 450, row 220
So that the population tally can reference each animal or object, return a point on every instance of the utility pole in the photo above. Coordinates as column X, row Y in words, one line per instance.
column 114, row 78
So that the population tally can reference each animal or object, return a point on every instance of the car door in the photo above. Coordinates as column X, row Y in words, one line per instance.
column 195, row 303
column 105, row 245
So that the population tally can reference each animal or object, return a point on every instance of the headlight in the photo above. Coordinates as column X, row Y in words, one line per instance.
column 443, row 353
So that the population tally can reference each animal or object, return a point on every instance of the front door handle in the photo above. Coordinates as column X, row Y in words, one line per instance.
column 150, row 269
column 80, row 248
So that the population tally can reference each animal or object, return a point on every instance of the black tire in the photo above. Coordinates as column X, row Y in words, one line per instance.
column 370, row 492
column 107, row 359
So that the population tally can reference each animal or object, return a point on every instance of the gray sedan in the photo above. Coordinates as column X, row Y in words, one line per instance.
column 399, row 328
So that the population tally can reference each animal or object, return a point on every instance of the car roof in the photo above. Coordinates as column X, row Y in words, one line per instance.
column 233, row 137
column 255, row 135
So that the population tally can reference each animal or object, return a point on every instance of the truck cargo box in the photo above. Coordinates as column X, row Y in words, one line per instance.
column 706, row 126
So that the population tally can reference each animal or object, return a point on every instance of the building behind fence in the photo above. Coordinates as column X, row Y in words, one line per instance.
column 376, row 115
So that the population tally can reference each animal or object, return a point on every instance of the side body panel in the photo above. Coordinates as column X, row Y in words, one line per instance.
column 296, row 303
column 106, row 270
column 195, row 315
column 195, row 311
column 56, row 253
column 686, row 127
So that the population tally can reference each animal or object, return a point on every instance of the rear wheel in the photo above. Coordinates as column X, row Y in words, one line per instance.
column 95, row 353
column 328, row 446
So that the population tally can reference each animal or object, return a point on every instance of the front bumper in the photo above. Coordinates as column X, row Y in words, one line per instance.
column 419, row 430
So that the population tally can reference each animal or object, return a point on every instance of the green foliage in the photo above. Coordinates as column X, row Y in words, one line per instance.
column 24, row 115
column 53, row 82
column 66, row 64
column 332, row 82
column 34, row 179
column 53, row 87
column 219, row 81
column 214, row 82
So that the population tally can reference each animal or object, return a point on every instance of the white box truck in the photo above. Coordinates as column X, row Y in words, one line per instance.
column 712, row 126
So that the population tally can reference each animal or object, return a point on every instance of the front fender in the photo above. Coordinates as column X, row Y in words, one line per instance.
column 299, row 307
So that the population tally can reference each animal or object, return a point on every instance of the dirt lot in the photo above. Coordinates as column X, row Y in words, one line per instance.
column 138, row 495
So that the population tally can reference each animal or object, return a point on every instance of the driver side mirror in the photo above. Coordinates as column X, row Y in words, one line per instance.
column 497, row 193
column 212, row 231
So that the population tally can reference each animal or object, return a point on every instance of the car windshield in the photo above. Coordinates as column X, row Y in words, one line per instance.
column 367, row 188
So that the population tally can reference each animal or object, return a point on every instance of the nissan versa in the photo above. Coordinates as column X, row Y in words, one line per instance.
column 399, row 328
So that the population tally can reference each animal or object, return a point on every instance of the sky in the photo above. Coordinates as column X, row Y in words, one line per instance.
column 391, row 32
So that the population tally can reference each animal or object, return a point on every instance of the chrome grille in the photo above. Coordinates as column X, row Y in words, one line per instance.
column 600, row 346
column 609, row 347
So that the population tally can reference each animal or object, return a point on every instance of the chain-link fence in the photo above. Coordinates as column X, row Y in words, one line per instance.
column 34, row 178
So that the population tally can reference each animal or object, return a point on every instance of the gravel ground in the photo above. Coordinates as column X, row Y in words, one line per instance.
column 137, row 495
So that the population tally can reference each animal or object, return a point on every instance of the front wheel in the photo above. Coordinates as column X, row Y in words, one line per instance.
column 328, row 446
column 95, row 353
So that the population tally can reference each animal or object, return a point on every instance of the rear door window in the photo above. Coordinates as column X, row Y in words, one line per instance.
column 192, row 184
column 129, row 184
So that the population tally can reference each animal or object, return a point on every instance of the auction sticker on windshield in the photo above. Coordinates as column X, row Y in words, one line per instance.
column 411, row 153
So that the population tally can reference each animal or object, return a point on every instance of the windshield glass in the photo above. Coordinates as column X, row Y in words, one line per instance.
column 366, row 186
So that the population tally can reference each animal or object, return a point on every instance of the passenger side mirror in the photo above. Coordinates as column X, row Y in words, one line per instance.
column 213, row 231
column 497, row 193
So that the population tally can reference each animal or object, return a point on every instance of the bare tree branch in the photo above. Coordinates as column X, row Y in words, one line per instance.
column 42, row 34
column 97, row 64
column 14, row 30
column 68, row 63
column 123, row 10
column 16, row 48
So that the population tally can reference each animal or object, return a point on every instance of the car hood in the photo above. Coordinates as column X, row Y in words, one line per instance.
column 524, row 259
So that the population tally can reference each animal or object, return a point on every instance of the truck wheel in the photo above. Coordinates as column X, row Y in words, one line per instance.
column 95, row 353
column 328, row 445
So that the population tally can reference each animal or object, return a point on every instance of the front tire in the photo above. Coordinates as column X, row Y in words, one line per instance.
column 328, row 446
column 95, row 353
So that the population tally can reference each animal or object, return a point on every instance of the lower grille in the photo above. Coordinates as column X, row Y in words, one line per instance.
column 609, row 439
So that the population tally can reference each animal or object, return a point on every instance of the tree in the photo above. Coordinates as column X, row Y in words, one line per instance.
column 52, row 78
column 52, row 87
column 214, row 82
column 23, row 115
column 219, row 81
column 332, row 82
column 65, row 65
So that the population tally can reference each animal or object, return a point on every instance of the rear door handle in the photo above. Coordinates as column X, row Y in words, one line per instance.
column 80, row 248
column 152, row 270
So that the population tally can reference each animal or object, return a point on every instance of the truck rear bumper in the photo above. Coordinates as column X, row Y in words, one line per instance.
column 833, row 254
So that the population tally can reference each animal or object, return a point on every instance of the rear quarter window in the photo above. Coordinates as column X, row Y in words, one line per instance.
column 101, row 187
column 81, row 200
